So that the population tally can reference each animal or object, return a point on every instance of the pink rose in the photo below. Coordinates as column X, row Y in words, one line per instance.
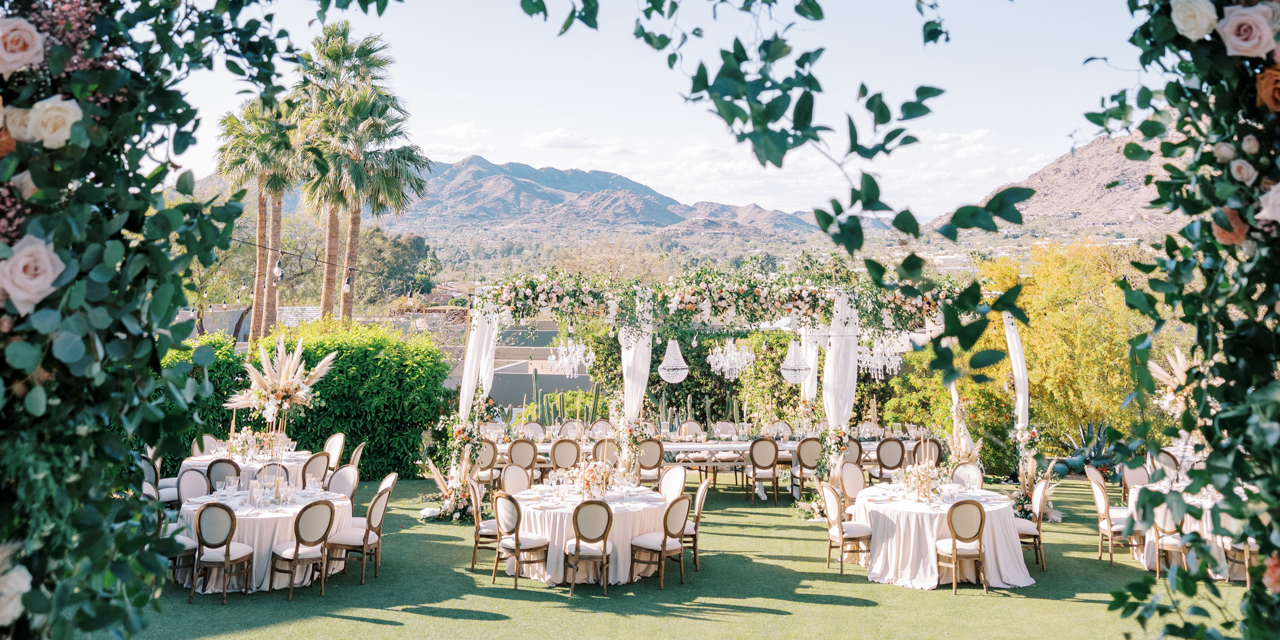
column 1271, row 577
column 1242, row 171
column 1270, row 205
column 24, row 184
column 1247, row 31
column 20, row 46
column 28, row 275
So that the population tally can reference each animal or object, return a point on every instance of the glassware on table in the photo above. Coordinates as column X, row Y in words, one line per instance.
column 220, row 486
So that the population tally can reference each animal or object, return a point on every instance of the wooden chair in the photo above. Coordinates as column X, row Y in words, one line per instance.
column 724, row 429
column 762, row 465
column 388, row 484
column 651, row 454
column 485, row 531
column 671, row 486
column 691, row 528
column 781, row 430
column 805, row 464
column 571, row 430
column 310, row 533
column 606, row 450
column 363, row 540
column 965, row 520
column 1030, row 532
column 334, row 447
column 1241, row 553
column 601, row 429
column 1131, row 477
column 890, row 454
column 1168, row 538
column 663, row 544
column 847, row 536
column 1111, row 519
column 565, row 454
column 192, row 484
column 512, row 543
column 185, row 557
column 515, row 479
column 523, row 453
column 852, row 482
column 345, row 481
column 486, row 458
column 222, row 469
column 853, row 453
column 203, row 445
column 215, row 526
column 268, row 473
column 927, row 449
column 592, row 522
column 150, row 475
column 317, row 466
column 357, row 454
column 1165, row 460
column 968, row 474
column 533, row 430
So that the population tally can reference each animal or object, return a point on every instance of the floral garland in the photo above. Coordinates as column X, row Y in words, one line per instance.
column 834, row 445
column 461, row 452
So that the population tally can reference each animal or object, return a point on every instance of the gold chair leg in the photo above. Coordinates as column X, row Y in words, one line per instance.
column 496, row 555
column 828, row 553
column 573, row 577
column 682, row 566
column 662, row 570
column 195, row 576
column 1111, row 549
column 364, row 559
column 226, row 576
column 377, row 559
column 475, row 552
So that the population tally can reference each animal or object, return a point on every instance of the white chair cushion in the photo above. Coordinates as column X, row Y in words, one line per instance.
column 527, row 541
column 963, row 549
column 489, row 527
column 689, row 528
column 589, row 549
column 852, row 530
column 167, row 483
column 352, row 536
column 728, row 456
column 653, row 541
column 698, row 456
column 784, row 456
column 877, row 472
column 168, row 494
column 176, row 528
column 1253, row 546
column 187, row 544
column 1115, row 526
column 649, row 474
column 1119, row 514
column 1025, row 527
column 238, row 550
column 802, row 473
column 486, row 475
column 767, row 474
column 285, row 550
column 1170, row 542
column 359, row 523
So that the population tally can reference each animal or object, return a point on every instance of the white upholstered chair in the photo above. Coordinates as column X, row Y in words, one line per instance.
column 364, row 540
column 514, row 479
column 968, row 474
column 966, row 520
column 651, row 455
column 565, row 454
column 345, row 481
column 667, row 543
column 513, row 543
column 1111, row 520
column 671, row 486
column 311, row 530
column 222, row 470
column 215, row 526
column 846, row 536
column 592, row 521
column 317, row 466
column 334, row 447
column 762, row 466
column 804, row 465
column 606, row 450
column 485, row 532
column 1030, row 532
column 694, row 525
column 890, row 455
column 852, row 482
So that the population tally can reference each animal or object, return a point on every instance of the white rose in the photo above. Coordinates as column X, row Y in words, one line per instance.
column 13, row 584
column 1243, row 172
column 1247, row 31
column 25, row 185
column 51, row 121
column 20, row 46
column 17, row 120
column 1275, row 14
column 1270, row 205
column 28, row 275
column 1250, row 145
column 1224, row 152
column 1194, row 19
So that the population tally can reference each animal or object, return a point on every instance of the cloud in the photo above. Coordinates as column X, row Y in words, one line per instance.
column 559, row 139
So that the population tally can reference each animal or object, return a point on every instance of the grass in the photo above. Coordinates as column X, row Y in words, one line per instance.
column 762, row 575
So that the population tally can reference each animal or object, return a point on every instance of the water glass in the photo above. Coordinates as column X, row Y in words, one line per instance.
column 221, row 486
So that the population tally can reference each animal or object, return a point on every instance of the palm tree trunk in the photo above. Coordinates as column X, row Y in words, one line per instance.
column 333, row 229
column 272, row 305
column 353, row 249
column 260, row 271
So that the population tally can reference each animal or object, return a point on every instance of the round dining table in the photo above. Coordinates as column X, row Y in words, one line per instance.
column 1206, row 500
column 905, row 532
column 548, row 511
column 249, row 468
column 262, row 528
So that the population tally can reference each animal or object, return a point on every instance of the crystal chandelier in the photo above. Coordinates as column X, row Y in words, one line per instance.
column 569, row 355
column 729, row 360
column 879, row 361
column 794, row 366
column 673, row 368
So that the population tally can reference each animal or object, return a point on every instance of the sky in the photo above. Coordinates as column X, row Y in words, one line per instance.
column 480, row 77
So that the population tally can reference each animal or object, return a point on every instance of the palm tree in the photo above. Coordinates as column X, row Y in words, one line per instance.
column 336, row 63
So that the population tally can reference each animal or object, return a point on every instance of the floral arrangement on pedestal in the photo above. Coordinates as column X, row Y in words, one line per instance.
column 282, row 388
column 963, row 447
column 461, row 452
column 1022, row 500
column 835, row 442
column 627, row 438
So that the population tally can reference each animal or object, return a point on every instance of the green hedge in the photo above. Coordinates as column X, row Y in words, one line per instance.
column 384, row 388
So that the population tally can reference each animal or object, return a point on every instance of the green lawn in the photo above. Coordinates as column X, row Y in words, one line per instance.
column 762, row 575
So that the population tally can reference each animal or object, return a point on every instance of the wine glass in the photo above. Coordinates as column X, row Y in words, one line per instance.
column 220, row 486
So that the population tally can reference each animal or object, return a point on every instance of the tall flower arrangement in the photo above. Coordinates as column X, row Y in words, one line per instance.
column 283, row 386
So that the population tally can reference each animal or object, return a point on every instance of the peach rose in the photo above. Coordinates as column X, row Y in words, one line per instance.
column 1238, row 228
column 1269, row 204
column 28, row 275
column 1243, row 172
column 1224, row 152
column 1271, row 577
column 1247, row 31
column 1250, row 145
column 20, row 46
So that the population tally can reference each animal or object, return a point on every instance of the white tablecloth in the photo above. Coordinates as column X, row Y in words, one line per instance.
column 249, row 468
column 904, row 534
column 1146, row 554
column 546, row 514
column 263, row 528
column 714, row 446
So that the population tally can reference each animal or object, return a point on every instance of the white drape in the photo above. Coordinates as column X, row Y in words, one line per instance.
column 1019, row 361
column 809, row 347
column 840, row 372
column 637, row 351
column 477, row 367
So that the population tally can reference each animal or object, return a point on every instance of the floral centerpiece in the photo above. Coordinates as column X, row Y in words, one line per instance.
column 924, row 480
column 1022, row 501
column 592, row 478
column 835, row 442
column 462, row 451
column 282, row 388
column 628, row 439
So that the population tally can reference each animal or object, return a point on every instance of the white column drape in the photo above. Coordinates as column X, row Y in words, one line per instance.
column 637, row 351
column 477, row 366
column 809, row 344
column 1020, row 381
column 840, row 372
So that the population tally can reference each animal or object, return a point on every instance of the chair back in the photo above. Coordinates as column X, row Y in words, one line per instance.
column 852, row 481
column 592, row 520
column 1164, row 522
column 377, row 512
column 606, row 450
column 724, row 429
column 316, row 466
column 1038, row 498
column 966, row 520
column 891, row 453
column 601, row 429
column 149, row 472
column 565, row 454
column 968, row 474
column 677, row 515
column 334, row 446
column 699, row 499
column 1166, row 461
column 221, row 469
column 690, row 428
column 357, row 454
column 1094, row 475
column 388, row 482
column 268, row 473
column 532, row 430
column 487, row 455
column 571, row 429
column 780, row 429
column 523, row 453
column 651, row 454
column 807, row 453
column 149, row 491
column 515, row 479
column 854, row 453
column 477, row 494
column 215, row 524
column 345, row 480
column 763, row 452
column 193, row 484
column 1135, row 476
column 831, row 504
column 1101, row 504
column 507, row 512
column 672, row 484
column 927, row 449
column 204, row 444
column 313, row 524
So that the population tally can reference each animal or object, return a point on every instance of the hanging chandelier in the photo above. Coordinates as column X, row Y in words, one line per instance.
column 673, row 368
column 794, row 367
column 729, row 360
column 879, row 361
column 569, row 355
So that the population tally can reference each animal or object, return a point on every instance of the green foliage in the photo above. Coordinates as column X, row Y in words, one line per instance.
column 384, row 389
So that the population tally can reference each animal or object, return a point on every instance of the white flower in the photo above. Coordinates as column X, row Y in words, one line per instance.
column 16, row 120
column 20, row 46
column 1275, row 14
column 1224, row 152
column 1270, row 204
column 1250, row 145
column 25, row 185
column 13, row 584
column 51, row 121
column 1194, row 19
column 28, row 275
column 1242, row 171
column 1247, row 31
